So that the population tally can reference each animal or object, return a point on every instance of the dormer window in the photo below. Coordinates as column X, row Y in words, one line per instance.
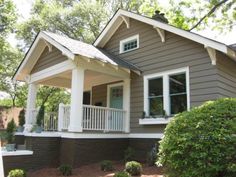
column 129, row 44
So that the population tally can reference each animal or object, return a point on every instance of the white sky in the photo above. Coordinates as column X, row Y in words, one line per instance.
column 24, row 7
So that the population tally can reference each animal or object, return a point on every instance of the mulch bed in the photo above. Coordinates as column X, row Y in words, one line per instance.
column 94, row 171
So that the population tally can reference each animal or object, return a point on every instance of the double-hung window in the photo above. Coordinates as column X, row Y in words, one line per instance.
column 167, row 93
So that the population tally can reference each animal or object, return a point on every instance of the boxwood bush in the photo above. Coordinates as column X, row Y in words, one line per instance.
column 106, row 165
column 17, row 173
column 201, row 142
column 133, row 168
column 121, row 174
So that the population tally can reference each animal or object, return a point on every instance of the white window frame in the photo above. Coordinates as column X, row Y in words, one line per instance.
column 166, row 97
column 122, row 42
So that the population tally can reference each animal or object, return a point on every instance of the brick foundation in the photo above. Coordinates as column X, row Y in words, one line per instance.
column 53, row 151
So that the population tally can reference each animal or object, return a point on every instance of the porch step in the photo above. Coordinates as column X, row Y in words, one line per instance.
column 21, row 147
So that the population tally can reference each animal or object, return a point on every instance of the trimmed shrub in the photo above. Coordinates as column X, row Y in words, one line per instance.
column 133, row 168
column 122, row 174
column 17, row 173
column 22, row 117
column 66, row 170
column 201, row 142
column 106, row 165
column 129, row 154
column 152, row 156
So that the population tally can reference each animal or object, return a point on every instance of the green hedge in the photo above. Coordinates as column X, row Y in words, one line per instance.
column 201, row 142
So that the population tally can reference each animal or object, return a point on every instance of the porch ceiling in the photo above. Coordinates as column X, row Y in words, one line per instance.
column 92, row 78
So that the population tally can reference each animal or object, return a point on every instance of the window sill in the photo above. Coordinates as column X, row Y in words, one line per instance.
column 154, row 121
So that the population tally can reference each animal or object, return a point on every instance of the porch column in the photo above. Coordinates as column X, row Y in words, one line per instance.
column 31, row 102
column 76, row 106
column 126, row 104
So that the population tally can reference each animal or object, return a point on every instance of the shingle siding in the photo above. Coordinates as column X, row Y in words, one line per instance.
column 153, row 56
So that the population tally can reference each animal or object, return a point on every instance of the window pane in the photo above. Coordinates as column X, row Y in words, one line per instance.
column 178, row 103
column 156, row 106
column 130, row 45
column 155, row 87
column 177, row 83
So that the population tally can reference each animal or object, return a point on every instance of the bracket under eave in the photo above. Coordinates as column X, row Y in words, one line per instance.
column 212, row 54
column 48, row 45
column 161, row 33
column 126, row 20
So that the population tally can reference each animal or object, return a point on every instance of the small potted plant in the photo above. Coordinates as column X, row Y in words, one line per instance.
column 21, row 117
column 8, row 135
column 39, row 119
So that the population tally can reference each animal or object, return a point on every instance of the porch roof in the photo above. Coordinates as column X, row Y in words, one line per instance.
column 71, row 48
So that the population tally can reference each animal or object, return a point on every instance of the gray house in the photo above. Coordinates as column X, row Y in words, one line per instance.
column 125, row 88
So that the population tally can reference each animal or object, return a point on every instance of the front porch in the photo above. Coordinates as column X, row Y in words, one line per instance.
column 95, row 118
column 58, row 61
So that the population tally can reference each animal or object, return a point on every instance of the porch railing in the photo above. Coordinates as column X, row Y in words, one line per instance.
column 95, row 118
column 49, row 122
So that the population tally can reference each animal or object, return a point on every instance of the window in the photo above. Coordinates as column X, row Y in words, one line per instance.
column 166, row 93
column 129, row 44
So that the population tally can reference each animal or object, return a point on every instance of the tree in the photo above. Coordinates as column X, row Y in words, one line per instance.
column 197, row 14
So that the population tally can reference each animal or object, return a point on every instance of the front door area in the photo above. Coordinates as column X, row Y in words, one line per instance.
column 116, row 97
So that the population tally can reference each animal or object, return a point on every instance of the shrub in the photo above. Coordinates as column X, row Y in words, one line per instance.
column 121, row 174
column 17, row 173
column 129, row 154
column 133, row 168
column 40, row 116
column 21, row 117
column 152, row 156
column 66, row 170
column 201, row 142
column 9, row 134
column 106, row 165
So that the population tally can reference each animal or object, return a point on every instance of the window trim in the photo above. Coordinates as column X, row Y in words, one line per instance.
column 166, row 99
column 122, row 42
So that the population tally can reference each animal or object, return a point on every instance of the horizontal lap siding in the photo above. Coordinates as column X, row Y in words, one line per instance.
column 226, row 68
column 99, row 94
column 153, row 56
column 48, row 59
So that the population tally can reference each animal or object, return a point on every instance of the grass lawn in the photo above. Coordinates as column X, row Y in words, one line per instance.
column 94, row 171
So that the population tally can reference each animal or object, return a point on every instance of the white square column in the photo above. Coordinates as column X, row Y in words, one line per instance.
column 31, row 103
column 76, row 106
column 126, row 104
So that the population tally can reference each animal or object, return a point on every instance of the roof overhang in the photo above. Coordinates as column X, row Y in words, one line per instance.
column 118, row 19
column 41, row 41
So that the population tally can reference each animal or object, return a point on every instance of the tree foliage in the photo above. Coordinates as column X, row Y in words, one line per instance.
column 201, row 142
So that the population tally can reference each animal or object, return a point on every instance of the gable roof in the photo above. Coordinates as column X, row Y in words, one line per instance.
column 70, row 48
column 118, row 19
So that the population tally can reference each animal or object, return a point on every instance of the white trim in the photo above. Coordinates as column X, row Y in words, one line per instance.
column 146, row 135
column 165, row 76
column 154, row 121
column 189, row 35
column 52, row 71
column 42, row 134
column 126, row 20
column 16, row 153
column 122, row 42
column 109, row 86
column 93, row 135
column 49, row 40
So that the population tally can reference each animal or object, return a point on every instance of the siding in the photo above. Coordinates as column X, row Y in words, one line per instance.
column 48, row 59
column 99, row 94
column 153, row 56
column 226, row 72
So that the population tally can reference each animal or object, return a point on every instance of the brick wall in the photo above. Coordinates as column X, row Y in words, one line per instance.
column 52, row 151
